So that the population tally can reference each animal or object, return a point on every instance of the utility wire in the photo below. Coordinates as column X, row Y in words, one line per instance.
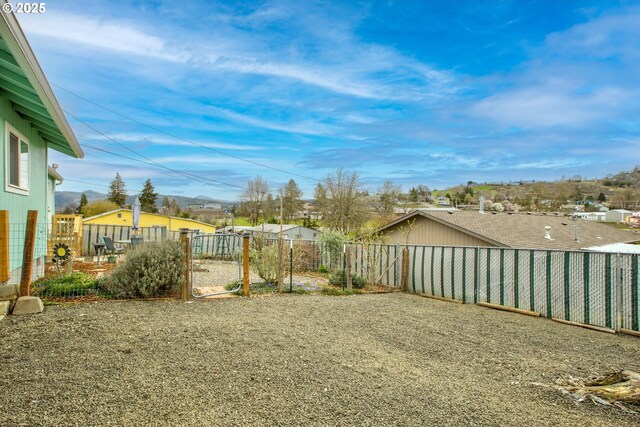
column 178, row 137
column 186, row 174
column 149, row 160
column 87, row 183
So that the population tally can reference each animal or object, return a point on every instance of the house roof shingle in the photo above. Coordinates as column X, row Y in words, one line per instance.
column 527, row 230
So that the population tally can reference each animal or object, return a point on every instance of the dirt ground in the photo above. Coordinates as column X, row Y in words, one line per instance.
column 390, row 359
column 210, row 277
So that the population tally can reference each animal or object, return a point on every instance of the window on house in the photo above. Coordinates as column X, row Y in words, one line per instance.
column 17, row 162
column 119, row 215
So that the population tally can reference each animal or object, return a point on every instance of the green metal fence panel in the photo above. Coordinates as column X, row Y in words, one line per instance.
column 629, row 267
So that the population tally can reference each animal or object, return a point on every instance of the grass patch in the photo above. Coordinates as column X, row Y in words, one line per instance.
column 339, row 292
column 69, row 285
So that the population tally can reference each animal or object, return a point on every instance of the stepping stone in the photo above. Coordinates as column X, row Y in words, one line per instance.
column 8, row 292
column 28, row 305
column 5, row 307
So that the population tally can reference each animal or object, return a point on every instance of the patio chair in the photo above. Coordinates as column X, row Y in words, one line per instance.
column 110, row 247
column 136, row 242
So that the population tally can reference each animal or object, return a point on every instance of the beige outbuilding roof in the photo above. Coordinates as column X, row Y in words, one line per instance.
column 526, row 230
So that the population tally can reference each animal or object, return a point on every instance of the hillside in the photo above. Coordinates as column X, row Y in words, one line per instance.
column 64, row 198
column 621, row 190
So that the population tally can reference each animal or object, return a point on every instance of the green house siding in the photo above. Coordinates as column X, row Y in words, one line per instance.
column 18, row 204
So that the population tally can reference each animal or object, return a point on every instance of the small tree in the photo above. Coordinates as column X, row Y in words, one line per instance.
column 254, row 197
column 149, row 198
column 386, row 200
column 117, row 192
column 83, row 203
column 602, row 197
column 342, row 202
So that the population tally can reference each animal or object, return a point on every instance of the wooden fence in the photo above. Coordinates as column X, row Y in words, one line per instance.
column 93, row 233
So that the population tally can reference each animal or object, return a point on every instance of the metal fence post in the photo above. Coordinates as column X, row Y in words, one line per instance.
column 186, row 246
column 347, row 271
column 245, row 265
column 290, row 265
column 618, row 293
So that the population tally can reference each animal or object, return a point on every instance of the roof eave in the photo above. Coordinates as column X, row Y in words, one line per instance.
column 27, row 60
column 54, row 174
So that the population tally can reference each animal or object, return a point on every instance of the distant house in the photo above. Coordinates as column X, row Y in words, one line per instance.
column 443, row 201
column 214, row 206
column 591, row 216
column 617, row 215
column 272, row 231
column 516, row 230
column 31, row 123
column 124, row 217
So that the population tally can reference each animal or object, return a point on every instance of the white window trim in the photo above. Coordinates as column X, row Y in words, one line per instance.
column 24, row 191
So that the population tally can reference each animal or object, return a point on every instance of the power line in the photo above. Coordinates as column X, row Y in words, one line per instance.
column 186, row 174
column 149, row 161
column 87, row 183
column 178, row 137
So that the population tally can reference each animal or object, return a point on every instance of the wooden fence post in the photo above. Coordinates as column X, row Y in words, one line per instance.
column 404, row 280
column 27, row 256
column 245, row 265
column 4, row 246
column 186, row 245
column 347, row 267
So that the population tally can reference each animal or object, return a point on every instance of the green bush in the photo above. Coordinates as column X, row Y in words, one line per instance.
column 70, row 285
column 332, row 242
column 338, row 279
column 323, row 269
column 154, row 269
column 265, row 263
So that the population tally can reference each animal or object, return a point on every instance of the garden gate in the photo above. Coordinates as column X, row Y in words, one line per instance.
column 216, row 261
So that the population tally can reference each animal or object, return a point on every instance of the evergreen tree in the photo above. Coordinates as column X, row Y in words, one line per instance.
column 165, row 202
column 83, row 203
column 413, row 195
column 602, row 197
column 148, row 197
column 117, row 192
column 291, row 200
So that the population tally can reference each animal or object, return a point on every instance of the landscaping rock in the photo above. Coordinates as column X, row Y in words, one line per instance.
column 8, row 292
column 28, row 305
column 5, row 307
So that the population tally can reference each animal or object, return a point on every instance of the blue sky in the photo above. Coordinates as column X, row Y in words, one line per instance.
column 419, row 92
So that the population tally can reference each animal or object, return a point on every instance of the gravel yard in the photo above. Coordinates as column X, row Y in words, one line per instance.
column 210, row 276
column 389, row 359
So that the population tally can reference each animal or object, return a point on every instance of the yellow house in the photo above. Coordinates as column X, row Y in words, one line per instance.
column 123, row 217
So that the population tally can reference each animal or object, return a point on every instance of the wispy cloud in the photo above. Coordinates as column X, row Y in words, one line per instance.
column 118, row 36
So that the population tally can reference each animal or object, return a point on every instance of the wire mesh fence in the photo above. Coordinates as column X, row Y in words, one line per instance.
column 599, row 289
column 12, row 255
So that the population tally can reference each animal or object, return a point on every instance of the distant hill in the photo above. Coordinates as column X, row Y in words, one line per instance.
column 64, row 198
column 620, row 190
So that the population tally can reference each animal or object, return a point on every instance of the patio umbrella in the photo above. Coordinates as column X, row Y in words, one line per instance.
column 135, row 214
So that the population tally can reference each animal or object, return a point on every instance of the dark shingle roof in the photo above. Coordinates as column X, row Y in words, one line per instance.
column 524, row 230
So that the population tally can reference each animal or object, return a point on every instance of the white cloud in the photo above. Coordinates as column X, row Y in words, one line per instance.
column 117, row 36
